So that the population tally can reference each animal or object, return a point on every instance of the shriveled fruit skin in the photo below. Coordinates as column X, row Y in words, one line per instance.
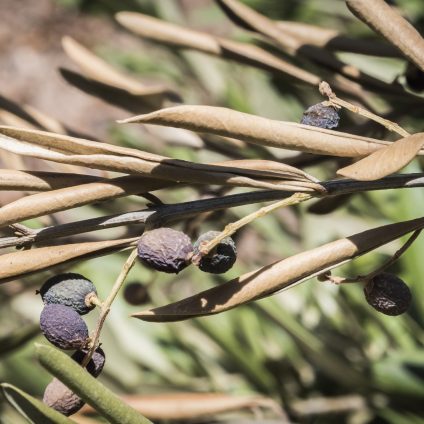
column 321, row 116
column 96, row 363
column 165, row 249
column 388, row 294
column 61, row 398
column 68, row 289
column 221, row 258
column 63, row 327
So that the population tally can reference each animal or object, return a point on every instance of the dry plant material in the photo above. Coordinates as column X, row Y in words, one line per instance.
column 385, row 20
column 280, row 275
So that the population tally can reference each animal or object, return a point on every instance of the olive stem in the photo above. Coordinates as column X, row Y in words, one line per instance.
column 365, row 278
column 326, row 90
column 105, row 306
column 234, row 226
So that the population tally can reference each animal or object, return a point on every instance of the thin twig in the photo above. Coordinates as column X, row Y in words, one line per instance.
column 326, row 90
column 234, row 226
column 105, row 308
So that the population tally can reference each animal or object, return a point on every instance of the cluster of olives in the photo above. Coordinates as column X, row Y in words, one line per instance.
column 388, row 294
column 66, row 297
column 169, row 250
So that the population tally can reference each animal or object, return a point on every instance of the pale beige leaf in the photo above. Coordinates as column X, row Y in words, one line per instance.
column 11, row 179
column 99, row 70
column 26, row 262
column 184, row 406
column 71, row 197
column 258, row 130
column 385, row 20
column 385, row 161
column 280, row 275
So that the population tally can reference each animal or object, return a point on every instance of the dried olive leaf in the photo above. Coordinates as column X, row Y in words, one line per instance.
column 25, row 262
column 97, row 69
column 71, row 197
column 385, row 161
column 263, row 131
column 175, row 35
column 32, row 408
column 280, row 275
column 11, row 179
column 62, row 148
column 185, row 406
column 385, row 20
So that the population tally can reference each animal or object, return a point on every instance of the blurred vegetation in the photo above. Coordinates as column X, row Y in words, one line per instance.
column 315, row 341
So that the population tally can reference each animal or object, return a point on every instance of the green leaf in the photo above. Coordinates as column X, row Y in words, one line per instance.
column 18, row 338
column 87, row 387
column 31, row 408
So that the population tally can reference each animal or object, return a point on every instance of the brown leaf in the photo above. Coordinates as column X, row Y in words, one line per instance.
column 185, row 406
column 280, row 275
column 71, row 197
column 11, row 179
column 258, row 130
column 385, row 20
column 26, row 262
column 385, row 161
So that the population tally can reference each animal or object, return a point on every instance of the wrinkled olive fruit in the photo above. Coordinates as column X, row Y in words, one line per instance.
column 388, row 294
column 62, row 399
column 136, row 293
column 63, row 327
column 221, row 258
column 321, row 115
column 165, row 249
column 96, row 363
column 69, row 289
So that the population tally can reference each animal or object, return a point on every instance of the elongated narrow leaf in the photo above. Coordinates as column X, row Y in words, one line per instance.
column 258, row 130
column 87, row 387
column 11, row 179
column 385, row 161
column 21, row 263
column 31, row 408
column 99, row 70
column 71, row 197
column 71, row 150
column 18, row 338
column 184, row 406
column 385, row 20
column 280, row 275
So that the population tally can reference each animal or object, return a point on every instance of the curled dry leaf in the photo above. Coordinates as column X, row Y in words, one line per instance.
column 74, row 196
column 26, row 262
column 385, row 20
column 11, row 179
column 175, row 35
column 385, row 161
column 185, row 406
column 98, row 70
column 71, row 150
column 280, row 275
column 262, row 131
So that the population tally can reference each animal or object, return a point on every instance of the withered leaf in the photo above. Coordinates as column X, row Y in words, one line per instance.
column 385, row 161
column 26, row 262
column 258, row 130
column 184, row 406
column 280, row 275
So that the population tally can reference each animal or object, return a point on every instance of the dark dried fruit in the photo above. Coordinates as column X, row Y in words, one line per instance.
column 136, row 293
column 388, row 294
column 321, row 115
column 69, row 289
column 96, row 363
column 63, row 327
column 221, row 258
column 62, row 399
column 165, row 249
